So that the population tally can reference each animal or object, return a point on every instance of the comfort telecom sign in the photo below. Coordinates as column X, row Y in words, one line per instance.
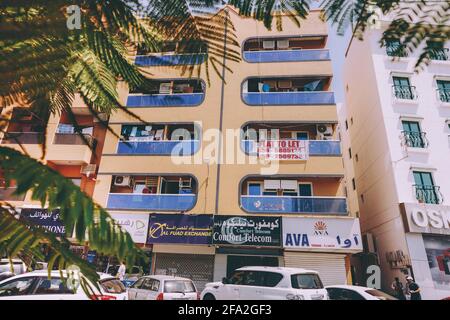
column 247, row 231
column 332, row 234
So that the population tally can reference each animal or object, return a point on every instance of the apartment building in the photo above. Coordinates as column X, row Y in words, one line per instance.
column 276, row 198
column 208, row 217
column 399, row 128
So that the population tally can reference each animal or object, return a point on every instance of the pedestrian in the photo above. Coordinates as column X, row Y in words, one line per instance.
column 398, row 288
column 413, row 288
column 122, row 270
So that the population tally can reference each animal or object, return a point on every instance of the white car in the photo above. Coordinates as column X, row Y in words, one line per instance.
column 160, row 287
column 267, row 283
column 37, row 286
column 348, row 292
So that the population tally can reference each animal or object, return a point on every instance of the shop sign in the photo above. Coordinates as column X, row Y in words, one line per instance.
column 44, row 219
column 180, row 228
column 136, row 224
column 426, row 218
column 437, row 249
column 247, row 231
column 332, row 234
column 283, row 149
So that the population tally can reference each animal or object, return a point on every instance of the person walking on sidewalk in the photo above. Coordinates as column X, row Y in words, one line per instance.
column 413, row 289
column 399, row 289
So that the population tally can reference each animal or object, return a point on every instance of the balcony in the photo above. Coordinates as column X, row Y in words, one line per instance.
column 396, row 49
column 286, row 55
column 165, row 100
column 415, row 139
column 7, row 194
column 443, row 95
column 315, row 147
column 440, row 54
column 160, row 202
column 404, row 92
column 288, row 98
column 169, row 60
column 428, row 194
column 23, row 138
column 161, row 148
column 294, row 204
column 74, row 139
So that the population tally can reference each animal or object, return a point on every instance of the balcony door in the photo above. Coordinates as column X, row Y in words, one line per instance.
column 402, row 88
column 425, row 188
column 413, row 134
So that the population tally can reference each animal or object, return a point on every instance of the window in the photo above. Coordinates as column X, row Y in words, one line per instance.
column 403, row 88
column 439, row 54
column 302, row 135
column 180, row 286
column 150, row 284
column 413, row 137
column 16, row 287
column 138, row 284
column 112, row 286
column 52, row 286
column 305, row 190
column 350, row 153
column 270, row 279
column 306, row 281
column 252, row 278
column 237, row 278
column 443, row 88
column 426, row 191
column 346, row 125
column 356, row 157
column 346, row 294
column 394, row 48
column 254, row 189
column 354, row 184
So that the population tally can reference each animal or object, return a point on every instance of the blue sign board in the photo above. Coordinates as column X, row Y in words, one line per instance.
column 180, row 228
column 42, row 218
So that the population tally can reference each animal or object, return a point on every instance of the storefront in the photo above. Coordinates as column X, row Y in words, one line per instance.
column 321, row 244
column 427, row 232
column 182, row 246
column 245, row 241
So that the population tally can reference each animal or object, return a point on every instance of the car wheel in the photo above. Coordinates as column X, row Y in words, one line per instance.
column 209, row 296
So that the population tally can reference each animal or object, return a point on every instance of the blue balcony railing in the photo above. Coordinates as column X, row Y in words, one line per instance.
column 285, row 204
column 316, row 147
column 169, row 60
column 287, row 55
column 163, row 148
column 141, row 201
column 288, row 98
column 165, row 100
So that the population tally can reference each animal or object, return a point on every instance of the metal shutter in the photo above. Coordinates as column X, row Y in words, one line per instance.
column 331, row 267
column 197, row 267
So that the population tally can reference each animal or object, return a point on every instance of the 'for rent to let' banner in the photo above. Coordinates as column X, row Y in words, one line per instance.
column 283, row 149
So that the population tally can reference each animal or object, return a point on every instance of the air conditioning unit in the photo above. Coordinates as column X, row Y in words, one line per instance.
column 88, row 169
column 324, row 131
column 123, row 181
column 269, row 44
column 283, row 44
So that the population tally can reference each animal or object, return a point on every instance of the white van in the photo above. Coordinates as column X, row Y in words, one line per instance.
column 267, row 283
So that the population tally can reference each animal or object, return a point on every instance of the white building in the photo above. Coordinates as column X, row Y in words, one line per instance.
column 399, row 127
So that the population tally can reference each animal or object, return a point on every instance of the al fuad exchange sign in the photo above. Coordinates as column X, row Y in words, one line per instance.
column 247, row 231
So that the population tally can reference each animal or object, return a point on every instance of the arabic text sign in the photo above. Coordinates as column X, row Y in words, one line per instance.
column 333, row 234
column 283, row 149
column 48, row 220
column 247, row 231
column 180, row 228
column 136, row 224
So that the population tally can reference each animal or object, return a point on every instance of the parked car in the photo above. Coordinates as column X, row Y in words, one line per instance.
column 267, row 283
column 37, row 286
column 159, row 287
column 348, row 292
column 18, row 266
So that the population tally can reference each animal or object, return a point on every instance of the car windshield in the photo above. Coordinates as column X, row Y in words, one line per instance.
column 306, row 281
column 178, row 286
column 112, row 286
column 380, row 294
column 16, row 287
